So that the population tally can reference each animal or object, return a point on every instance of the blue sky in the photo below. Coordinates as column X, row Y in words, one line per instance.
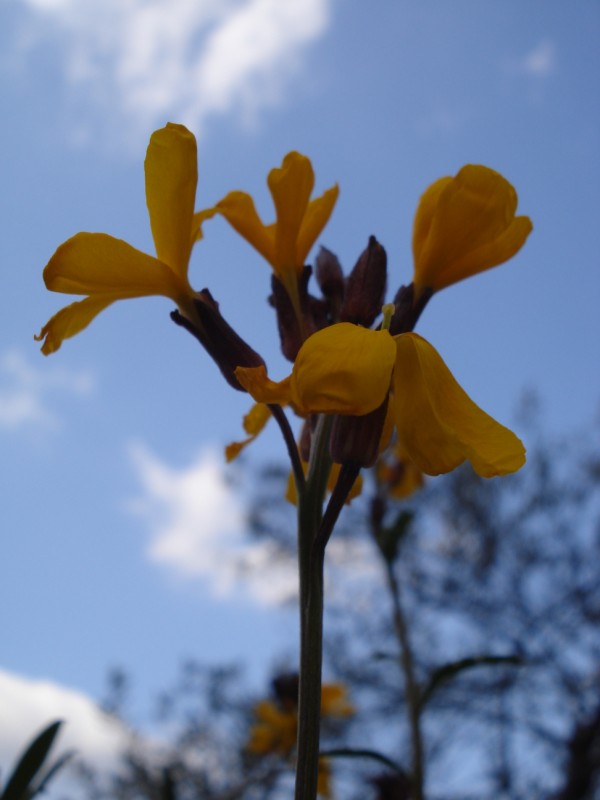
column 122, row 539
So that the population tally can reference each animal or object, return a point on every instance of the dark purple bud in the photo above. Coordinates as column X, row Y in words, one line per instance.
column 227, row 349
column 355, row 440
column 365, row 286
column 330, row 278
column 292, row 331
column 407, row 311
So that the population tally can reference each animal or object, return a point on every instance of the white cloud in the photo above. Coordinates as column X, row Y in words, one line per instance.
column 28, row 706
column 197, row 527
column 25, row 389
column 186, row 60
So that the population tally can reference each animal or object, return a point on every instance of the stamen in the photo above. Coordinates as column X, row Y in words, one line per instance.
column 388, row 312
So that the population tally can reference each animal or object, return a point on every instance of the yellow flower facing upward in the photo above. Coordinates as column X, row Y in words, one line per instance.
column 285, row 244
column 346, row 369
column 465, row 225
column 107, row 269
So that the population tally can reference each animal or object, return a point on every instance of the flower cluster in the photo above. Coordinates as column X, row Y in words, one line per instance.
column 381, row 384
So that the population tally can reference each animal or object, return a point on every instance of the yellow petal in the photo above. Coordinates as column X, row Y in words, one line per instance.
column 493, row 253
column 71, row 320
column 171, row 169
column 98, row 264
column 424, row 215
column 324, row 780
column 317, row 214
column 291, row 186
column 334, row 701
column 397, row 475
column 275, row 732
column 256, row 382
column 438, row 424
column 343, row 369
column 465, row 225
column 197, row 221
column 253, row 423
column 239, row 211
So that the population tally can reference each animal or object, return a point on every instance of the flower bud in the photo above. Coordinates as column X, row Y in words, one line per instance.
column 330, row 278
column 355, row 440
column 227, row 349
column 365, row 286
column 292, row 331
column 408, row 308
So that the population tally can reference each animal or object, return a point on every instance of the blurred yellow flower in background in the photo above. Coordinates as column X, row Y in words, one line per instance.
column 276, row 726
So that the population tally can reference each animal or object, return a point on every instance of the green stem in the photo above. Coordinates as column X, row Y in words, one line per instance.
column 288, row 437
column 310, row 559
column 410, row 683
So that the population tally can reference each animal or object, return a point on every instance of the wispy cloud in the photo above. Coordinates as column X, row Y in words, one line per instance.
column 197, row 528
column 187, row 60
column 30, row 705
column 26, row 392
column 539, row 62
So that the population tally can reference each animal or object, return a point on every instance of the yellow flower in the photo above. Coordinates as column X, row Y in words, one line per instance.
column 275, row 731
column 276, row 727
column 465, row 225
column 285, row 244
column 108, row 269
column 346, row 369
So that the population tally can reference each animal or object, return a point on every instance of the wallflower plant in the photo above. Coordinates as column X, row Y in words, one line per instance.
column 360, row 382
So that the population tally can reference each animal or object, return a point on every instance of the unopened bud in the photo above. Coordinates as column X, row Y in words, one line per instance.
column 365, row 286
column 292, row 331
column 356, row 440
column 408, row 308
column 330, row 278
column 226, row 347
